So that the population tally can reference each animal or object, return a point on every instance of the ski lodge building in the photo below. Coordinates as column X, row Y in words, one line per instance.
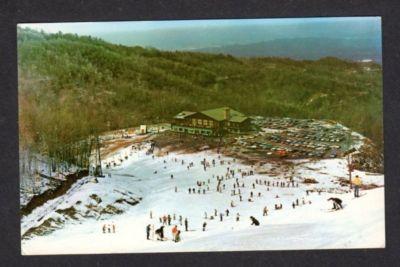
column 211, row 122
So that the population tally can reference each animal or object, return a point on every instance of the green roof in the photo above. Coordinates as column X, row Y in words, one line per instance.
column 218, row 114
column 184, row 114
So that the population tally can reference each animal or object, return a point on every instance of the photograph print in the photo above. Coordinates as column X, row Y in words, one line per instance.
column 201, row 135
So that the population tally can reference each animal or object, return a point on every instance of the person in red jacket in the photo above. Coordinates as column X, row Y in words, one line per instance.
column 174, row 231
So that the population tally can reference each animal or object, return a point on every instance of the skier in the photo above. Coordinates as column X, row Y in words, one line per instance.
column 174, row 232
column 151, row 215
column 254, row 221
column 148, row 232
column 265, row 211
column 160, row 233
column 176, row 189
column 204, row 226
column 215, row 212
column 227, row 212
column 186, row 224
column 237, row 217
column 172, row 176
column 205, row 215
column 337, row 203
column 220, row 217
column 152, row 232
column 178, row 236
column 190, row 190
column 169, row 219
column 104, row 228
column 357, row 183
column 240, row 197
column 180, row 219
column 293, row 205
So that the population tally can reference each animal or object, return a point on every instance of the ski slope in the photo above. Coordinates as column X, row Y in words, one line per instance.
column 307, row 226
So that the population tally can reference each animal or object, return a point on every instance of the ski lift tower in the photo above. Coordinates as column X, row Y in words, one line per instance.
column 348, row 153
column 98, row 170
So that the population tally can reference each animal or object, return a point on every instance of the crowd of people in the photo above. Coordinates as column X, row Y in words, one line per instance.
column 167, row 221
column 233, row 180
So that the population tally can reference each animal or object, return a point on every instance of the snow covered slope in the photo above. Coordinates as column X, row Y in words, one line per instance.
column 148, row 181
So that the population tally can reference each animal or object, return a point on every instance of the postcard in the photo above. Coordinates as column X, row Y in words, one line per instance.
column 201, row 135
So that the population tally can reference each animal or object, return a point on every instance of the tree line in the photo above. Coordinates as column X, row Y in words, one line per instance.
column 72, row 88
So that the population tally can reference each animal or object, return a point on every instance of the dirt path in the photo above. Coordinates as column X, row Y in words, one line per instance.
column 39, row 200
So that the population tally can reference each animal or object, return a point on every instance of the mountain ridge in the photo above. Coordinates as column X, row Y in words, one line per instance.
column 354, row 49
column 89, row 86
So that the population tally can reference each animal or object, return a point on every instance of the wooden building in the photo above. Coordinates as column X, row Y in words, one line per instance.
column 211, row 122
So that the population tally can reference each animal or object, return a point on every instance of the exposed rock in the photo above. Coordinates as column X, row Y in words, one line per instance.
column 110, row 209
column 96, row 198
column 70, row 212
column 310, row 181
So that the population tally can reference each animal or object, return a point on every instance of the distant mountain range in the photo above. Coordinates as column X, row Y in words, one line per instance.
column 354, row 49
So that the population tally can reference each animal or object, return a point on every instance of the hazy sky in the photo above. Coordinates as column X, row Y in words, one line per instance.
column 195, row 34
column 88, row 28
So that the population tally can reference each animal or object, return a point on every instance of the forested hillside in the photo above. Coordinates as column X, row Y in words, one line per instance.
column 72, row 87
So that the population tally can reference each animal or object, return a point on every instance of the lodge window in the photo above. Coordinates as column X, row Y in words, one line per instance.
column 211, row 123
column 194, row 121
column 200, row 122
column 205, row 122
